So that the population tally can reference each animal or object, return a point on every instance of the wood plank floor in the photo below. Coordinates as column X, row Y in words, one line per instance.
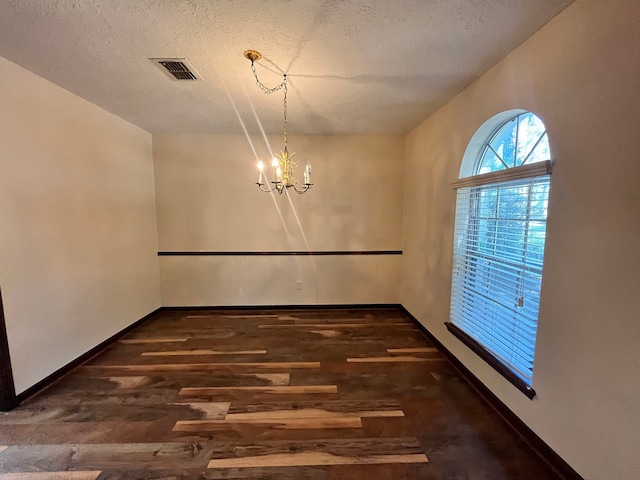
column 291, row 395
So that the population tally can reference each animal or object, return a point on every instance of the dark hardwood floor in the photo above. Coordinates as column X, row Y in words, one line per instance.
column 291, row 394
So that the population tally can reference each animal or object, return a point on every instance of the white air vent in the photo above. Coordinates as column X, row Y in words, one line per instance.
column 176, row 68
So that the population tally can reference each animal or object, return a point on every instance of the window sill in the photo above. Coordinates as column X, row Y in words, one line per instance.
column 496, row 364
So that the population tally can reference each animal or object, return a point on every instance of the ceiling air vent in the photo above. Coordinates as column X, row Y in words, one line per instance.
column 176, row 68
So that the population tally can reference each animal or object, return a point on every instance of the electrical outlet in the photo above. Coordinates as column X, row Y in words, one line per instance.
column 299, row 285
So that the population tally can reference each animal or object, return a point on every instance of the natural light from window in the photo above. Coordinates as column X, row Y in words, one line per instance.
column 500, row 234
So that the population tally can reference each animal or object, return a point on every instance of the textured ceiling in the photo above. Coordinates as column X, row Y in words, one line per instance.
column 377, row 66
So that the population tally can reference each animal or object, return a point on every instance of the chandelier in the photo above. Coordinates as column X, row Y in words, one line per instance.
column 282, row 163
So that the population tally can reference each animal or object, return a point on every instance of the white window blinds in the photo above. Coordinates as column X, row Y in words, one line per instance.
column 497, row 267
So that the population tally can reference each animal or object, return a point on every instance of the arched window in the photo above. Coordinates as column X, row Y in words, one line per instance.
column 500, row 232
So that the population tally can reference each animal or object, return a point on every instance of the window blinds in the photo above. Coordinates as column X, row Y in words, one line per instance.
column 497, row 267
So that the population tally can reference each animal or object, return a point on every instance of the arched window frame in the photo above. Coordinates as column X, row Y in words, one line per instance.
column 488, row 314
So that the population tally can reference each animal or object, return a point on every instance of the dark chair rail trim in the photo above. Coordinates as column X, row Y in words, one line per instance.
column 280, row 254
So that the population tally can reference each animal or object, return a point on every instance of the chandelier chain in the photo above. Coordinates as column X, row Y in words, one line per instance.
column 285, row 110
column 268, row 90
column 264, row 88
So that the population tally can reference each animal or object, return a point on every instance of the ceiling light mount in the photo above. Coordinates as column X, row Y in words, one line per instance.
column 252, row 55
column 283, row 165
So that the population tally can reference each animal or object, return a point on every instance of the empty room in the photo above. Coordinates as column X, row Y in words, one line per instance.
column 319, row 239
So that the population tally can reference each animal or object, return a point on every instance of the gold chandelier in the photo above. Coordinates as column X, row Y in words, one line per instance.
column 283, row 165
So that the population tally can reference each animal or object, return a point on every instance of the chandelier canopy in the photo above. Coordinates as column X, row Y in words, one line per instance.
column 283, row 165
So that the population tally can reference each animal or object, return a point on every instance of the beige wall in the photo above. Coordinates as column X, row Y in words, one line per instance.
column 581, row 75
column 77, row 224
column 207, row 200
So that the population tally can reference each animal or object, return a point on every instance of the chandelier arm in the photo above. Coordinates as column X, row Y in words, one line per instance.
column 307, row 186
column 261, row 187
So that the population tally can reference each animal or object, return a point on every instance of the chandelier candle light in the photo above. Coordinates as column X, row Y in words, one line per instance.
column 282, row 163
